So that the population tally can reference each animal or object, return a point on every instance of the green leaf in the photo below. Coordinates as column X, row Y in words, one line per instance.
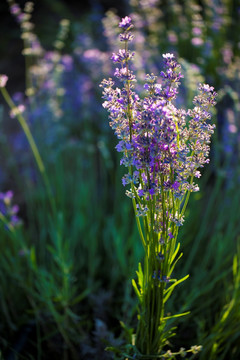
column 80, row 297
column 176, row 315
column 140, row 277
column 169, row 291
column 113, row 349
column 33, row 257
column 175, row 253
column 128, row 332
column 174, row 264
column 136, row 290
column 235, row 266
column 228, row 310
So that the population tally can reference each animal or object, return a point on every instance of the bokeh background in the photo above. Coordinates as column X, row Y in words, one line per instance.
column 68, row 239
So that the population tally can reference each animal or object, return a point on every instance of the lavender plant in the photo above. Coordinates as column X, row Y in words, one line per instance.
column 163, row 147
column 8, row 211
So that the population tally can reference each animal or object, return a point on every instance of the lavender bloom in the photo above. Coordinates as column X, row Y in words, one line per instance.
column 126, row 23
column 8, row 210
column 164, row 144
column 15, row 9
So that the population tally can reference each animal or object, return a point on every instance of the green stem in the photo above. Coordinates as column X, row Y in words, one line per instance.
column 186, row 198
column 33, row 146
column 139, row 224
column 129, row 112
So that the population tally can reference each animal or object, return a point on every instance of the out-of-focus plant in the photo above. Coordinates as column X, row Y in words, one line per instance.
column 8, row 211
column 54, row 283
column 221, row 341
column 58, row 224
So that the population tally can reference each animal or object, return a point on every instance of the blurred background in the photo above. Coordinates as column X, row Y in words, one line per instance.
column 46, row 17
column 68, row 239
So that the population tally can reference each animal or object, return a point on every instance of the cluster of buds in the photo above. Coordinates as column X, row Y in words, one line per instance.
column 162, row 146
column 23, row 17
column 8, row 210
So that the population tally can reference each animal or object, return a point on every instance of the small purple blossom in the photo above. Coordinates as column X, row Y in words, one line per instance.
column 175, row 185
column 197, row 41
column 3, row 80
column 160, row 256
column 141, row 210
column 15, row 9
column 126, row 23
column 7, row 196
column 122, row 56
column 151, row 191
column 8, row 210
column 157, row 275
column 165, row 279
column 140, row 192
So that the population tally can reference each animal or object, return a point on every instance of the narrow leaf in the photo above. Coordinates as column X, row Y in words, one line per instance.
column 136, row 290
column 33, row 258
column 175, row 253
column 140, row 277
column 174, row 264
column 176, row 315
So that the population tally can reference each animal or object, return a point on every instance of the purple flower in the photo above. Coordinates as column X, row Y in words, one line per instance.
column 160, row 256
column 7, row 196
column 166, row 145
column 157, row 275
column 126, row 23
column 115, row 57
column 165, row 279
column 151, row 191
column 67, row 62
column 196, row 41
column 140, row 192
column 175, row 185
column 8, row 210
column 15, row 9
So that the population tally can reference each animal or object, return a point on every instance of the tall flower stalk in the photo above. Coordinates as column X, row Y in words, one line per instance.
column 162, row 147
column 17, row 111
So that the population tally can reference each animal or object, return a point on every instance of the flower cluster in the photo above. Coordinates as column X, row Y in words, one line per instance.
column 165, row 145
column 8, row 210
column 32, row 45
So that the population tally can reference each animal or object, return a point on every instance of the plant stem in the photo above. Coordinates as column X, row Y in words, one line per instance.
column 33, row 147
